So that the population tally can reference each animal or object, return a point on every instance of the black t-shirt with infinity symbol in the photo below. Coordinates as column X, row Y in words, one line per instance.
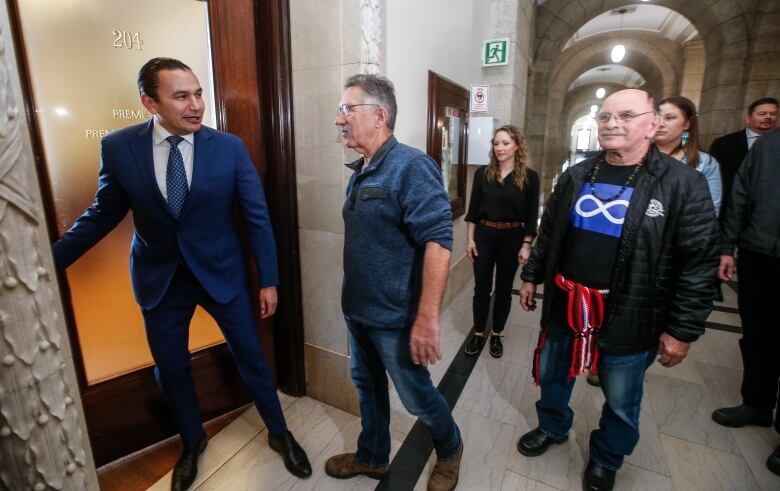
column 593, row 235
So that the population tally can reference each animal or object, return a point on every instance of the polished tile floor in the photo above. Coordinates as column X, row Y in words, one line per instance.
column 680, row 448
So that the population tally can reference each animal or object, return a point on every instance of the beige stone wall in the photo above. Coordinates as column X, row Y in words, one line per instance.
column 326, row 49
column 693, row 71
column 763, row 64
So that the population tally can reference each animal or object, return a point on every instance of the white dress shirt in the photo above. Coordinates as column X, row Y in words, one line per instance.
column 160, row 150
column 752, row 136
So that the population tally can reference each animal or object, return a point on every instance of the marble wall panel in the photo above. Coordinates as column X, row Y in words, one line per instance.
column 321, row 276
column 321, row 187
column 316, row 33
column 327, row 376
column 460, row 274
column 350, row 31
column 317, row 92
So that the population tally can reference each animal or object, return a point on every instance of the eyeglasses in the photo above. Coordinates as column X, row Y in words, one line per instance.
column 621, row 117
column 347, row 109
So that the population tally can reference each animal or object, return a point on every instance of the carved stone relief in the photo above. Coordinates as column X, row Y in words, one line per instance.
column 42, row 440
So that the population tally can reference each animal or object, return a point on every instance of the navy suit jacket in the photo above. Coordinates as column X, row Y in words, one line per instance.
column 204, row 236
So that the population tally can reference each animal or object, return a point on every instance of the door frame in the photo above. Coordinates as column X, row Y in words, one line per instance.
column 443, row 92
column 253, row 91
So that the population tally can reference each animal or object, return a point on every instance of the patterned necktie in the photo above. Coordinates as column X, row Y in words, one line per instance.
column 176, row 178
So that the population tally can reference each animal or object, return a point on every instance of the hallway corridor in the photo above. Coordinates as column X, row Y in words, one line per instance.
column 681, row 447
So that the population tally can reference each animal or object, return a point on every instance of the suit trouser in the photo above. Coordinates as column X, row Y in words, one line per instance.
column 760, row 343
column 496, row 249
column 167, row 330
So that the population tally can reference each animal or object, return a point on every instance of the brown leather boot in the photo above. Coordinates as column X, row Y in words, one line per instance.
column 344, row 466
column 445, row 473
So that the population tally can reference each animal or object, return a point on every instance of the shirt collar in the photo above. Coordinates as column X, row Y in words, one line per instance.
column 751, row 134
column 378, row 156
column 159, row 134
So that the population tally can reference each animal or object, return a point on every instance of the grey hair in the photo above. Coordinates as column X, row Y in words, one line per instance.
column 378, row 90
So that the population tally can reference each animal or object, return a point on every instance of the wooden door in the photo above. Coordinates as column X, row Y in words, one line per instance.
column 252, row 100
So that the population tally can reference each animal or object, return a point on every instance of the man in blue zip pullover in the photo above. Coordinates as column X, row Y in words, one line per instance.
column 397, row 243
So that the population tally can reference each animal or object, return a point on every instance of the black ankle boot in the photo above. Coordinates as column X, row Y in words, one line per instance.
column 496, row 346
column 475, row 344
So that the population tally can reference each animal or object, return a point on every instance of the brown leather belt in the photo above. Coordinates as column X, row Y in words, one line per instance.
column 501, row 225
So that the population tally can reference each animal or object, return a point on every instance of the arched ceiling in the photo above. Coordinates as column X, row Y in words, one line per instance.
column 613, row 73
column 720, row 24
column 658, row 73
column 649, row 18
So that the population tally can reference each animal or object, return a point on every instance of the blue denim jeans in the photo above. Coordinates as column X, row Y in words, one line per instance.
column 376, row 353
column 622, row 381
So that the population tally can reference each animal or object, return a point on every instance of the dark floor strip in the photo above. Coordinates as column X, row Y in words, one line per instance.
column 717, row 326
column 723, row 308
column 409, row 462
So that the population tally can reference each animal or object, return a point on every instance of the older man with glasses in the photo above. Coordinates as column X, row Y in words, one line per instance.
column 397, row 243
column 627, row 251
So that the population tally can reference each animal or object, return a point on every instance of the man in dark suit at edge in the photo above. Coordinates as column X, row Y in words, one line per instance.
column 729, row 150
column 182, row 180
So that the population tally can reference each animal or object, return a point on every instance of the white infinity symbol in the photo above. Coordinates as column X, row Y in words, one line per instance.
column 601, row 208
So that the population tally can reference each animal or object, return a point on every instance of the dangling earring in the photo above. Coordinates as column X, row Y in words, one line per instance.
column 684, row 138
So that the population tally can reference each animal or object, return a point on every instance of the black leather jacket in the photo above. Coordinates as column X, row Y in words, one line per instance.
column 665, row 272
column 752, row 219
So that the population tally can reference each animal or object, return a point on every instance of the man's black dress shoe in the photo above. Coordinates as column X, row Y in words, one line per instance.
column 536, row 442
column 739, row 416
column 598, row 478
column 295, row 459
column 773, row 462
column 186, row 468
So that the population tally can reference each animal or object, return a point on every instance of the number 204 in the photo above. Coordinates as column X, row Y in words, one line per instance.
column 127, row 39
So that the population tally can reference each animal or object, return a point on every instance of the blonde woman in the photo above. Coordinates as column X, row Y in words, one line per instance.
column 501, row 220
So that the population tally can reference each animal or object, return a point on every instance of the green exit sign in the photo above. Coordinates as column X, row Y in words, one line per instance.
column 495, row 52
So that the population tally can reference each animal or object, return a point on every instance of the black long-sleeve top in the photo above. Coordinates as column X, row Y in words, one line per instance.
column 504, row 201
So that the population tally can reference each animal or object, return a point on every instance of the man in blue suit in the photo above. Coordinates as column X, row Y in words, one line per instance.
column 182, row 180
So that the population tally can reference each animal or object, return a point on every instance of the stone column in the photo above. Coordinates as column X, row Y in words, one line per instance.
column 43, row 439
column 508, row 84
column 693, row 71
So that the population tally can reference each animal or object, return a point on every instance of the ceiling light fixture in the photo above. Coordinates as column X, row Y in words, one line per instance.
column 600, row 92
column 619, row 51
